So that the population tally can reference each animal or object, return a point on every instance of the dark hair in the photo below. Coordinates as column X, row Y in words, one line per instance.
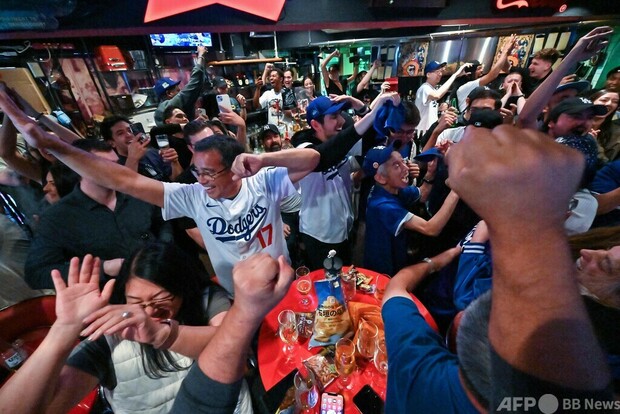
column 548, row 54
column 171, row 268
column 486, row 93
column 92, row 145
column 278, row 71
column 105, row 128
column 226, row 146
column 168, row 111
column 412, row 113
column 64, row 178
column 194, row 127
column 612, row 72
column 606, row 128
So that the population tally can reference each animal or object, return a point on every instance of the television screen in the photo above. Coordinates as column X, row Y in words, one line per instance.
column 181, row 39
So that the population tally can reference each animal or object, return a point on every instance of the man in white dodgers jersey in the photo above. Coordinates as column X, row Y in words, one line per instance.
column 237, row 217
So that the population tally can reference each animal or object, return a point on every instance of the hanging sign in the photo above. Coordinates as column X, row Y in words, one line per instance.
column 158, row 9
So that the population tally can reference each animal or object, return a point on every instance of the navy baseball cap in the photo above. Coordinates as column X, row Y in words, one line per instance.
column 433, row 66
column 163, row 84
column 268, row 128
column 219, row 82
column 377, row 156
column 474, row 65
column 575, row 106
column 579, row 86
column 324, row 106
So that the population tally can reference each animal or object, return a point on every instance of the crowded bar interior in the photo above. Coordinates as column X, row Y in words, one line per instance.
column 306, row 207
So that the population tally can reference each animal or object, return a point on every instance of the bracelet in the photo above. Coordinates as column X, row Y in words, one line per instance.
column 431, row 265
column 172, row 336
column 362, row 111
column 427, row 181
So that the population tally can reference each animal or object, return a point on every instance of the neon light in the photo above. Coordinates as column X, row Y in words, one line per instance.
column 517, row 3
column 158, row 9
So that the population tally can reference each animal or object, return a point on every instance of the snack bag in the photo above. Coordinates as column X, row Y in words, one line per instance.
column 324, row 369
column 332, row 320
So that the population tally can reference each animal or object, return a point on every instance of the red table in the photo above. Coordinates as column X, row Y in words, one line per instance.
column 272, row 363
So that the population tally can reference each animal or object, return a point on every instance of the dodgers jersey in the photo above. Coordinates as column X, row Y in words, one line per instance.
column 326, row 212
column 235, row 229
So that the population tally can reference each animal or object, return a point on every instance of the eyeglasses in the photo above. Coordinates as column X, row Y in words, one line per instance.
column 157, row 303
column 205, row 173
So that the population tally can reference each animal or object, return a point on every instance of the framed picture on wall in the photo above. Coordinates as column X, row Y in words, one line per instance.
column 519, row 53
column 412, row 58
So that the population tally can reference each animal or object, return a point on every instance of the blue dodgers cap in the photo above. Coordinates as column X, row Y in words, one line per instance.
column 377, row 156
column 163, row 84
column 433, row 66
column 389, row 118
column 429, row 155
column 324, row 106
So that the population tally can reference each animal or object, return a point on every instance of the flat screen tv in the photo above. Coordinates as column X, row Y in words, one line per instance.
column 181, row 39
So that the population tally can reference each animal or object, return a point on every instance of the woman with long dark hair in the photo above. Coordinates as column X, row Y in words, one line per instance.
column 607, row 133
column 141, row 348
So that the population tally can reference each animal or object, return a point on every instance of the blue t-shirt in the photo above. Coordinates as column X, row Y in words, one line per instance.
column 385, row 248
column 423, row 374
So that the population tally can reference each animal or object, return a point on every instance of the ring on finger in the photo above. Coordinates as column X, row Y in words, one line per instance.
column 126, row 315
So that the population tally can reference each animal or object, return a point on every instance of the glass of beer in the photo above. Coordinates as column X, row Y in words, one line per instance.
column 345, row 361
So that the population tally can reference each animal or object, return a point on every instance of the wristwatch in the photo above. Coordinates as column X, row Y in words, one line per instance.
column 424, row 180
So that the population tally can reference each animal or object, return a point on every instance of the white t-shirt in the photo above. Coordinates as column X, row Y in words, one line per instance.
column 274, row 111
column 326, row 212
column 451, row 134
column 463, row 91
column 426, row 106
column 235, row 229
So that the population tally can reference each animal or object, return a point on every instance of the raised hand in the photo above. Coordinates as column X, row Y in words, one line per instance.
column 591, row 43
column 128, row 321
column 80, row 296
column 260, row 283
column 246, row 165
column 490, row 169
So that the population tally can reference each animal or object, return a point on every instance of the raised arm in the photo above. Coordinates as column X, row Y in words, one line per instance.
column 437, row 94
column 355, row 72
column 105, row 173
column 585, row 47
column 502, row 62
column 368, row 76
column 434, row 226
column 538, row 323
column 260, row 283
column 39, row 375
column 324, row 64
column 28, row 167
column 299, row 162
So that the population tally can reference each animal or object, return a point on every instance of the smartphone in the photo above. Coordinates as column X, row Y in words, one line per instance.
column 137, row 128
column 223, row 101
column 332, row 403
column 273, row 398
column 201, row 112
column 368, row 401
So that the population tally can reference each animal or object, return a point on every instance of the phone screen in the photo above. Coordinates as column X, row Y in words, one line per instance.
column 368, row 401
column 137, row 128
column 332, row 403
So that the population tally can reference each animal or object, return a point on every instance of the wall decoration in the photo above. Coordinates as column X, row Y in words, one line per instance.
column 519, row 53
column 412, row 58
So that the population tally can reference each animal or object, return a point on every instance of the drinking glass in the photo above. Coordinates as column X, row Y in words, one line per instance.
column 303, row 285
column 379, row 289
column 381, row 363
column 349, row 285
column 345, row 361
column 367, row 333
column 288, row 331
column 306, row 391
